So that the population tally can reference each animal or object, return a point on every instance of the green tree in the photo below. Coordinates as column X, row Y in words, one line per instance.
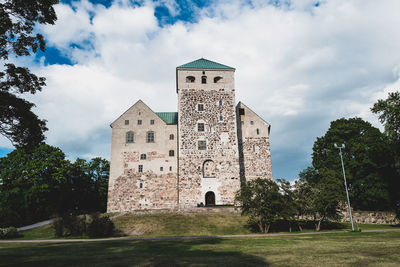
column 367, row 158
column 261, row 200
column 289, row 206
column 389, row 115
column 319, row 195
column 17, row 38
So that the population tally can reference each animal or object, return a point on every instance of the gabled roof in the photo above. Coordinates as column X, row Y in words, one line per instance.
column 203, row 63
column 168, row 117
column 241, row 103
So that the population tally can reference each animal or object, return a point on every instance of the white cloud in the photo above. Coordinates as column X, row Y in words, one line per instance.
column 298, row 66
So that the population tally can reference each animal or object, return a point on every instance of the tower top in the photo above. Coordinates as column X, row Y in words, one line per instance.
column 203, row 63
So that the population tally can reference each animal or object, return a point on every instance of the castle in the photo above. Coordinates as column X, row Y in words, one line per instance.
column 199, row 155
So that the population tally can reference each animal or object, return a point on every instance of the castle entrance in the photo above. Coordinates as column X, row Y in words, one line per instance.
column 210, row 198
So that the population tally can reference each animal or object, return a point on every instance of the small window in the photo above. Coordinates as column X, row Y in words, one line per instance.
column 220, row 118
column 200, row 107
column 220, row 103
column 139, row 122
column 258, row 131
column 171, row 153
column 190, row 79
column 200, row 127
column 252, row 122
column 141, row 185
column 150, row 137
column 171, row 137
column 203, row 79
column 129, row 137
column 126, row 122
column 201, row 145
column 140, row 169
column 151, row 122
column 143, row 156
column 161, row 169
column 170, row 168
column 217, row 79
column 241, row 111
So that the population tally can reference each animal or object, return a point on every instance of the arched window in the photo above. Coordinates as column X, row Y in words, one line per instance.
column 150, row 137
column 190, row 79
column 129, row 137
column 217, row 79
column 209, row 169
column 143, row 156
column 203, row 79
column 258, row 131
column 171, row 137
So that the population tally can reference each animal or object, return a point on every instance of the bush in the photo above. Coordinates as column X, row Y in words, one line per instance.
column 100, row 226
column 9, row 232
column 94, row 226
column 9, row 218
column 70, row 225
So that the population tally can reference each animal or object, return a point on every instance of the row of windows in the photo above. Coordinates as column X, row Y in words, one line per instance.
column 130, row 137
column 144, row 156
column 139, row 122
column 192, row 79
column 140, row 168
column 200, row 107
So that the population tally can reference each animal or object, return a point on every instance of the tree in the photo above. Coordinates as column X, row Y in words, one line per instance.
column 289, row 207
column 18, row 17
column 368, row 162
column 389, row 115
column 261, row 201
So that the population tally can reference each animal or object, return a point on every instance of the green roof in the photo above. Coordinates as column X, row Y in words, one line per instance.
column 203, row 63
column 168, row 117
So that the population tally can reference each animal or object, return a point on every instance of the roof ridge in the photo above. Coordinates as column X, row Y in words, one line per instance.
column 203, row 63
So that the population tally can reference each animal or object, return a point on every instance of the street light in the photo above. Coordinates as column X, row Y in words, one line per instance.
column 345, row 183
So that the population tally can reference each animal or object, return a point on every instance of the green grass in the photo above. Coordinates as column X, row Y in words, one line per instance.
column 345, row 249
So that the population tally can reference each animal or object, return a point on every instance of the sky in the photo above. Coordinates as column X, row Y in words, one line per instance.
column 300, row 64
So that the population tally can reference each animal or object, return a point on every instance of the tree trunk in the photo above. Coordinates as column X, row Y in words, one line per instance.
column 290, row 227
column 318, row 226
column 267, row 228
column 300, row 228
column 260, row 225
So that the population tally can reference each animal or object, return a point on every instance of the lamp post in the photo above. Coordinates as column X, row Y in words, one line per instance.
column 345, row 184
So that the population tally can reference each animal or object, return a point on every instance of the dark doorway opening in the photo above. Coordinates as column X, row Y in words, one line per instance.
column 210, row 198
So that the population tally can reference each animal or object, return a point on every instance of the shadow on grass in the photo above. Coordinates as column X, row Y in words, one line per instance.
column 202, row 252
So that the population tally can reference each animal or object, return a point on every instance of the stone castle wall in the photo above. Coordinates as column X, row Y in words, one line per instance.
column 221, row 153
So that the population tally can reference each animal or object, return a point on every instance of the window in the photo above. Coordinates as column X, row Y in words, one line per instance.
column 190, row 79
column 217, row 79
column 126, row 122
column 143, row 156
column 170, row 168
column 139, row 122
column 200, row 107
column 220, row 103
column 150, row 137
column 241, row 111
column 258, row 131
column 203, row 79
column 200, row 127
column 151, row 122
column 129, row 137
column 220, row 118
column 201, row 145
column 171, row 153
column 141, row 185
column 171, row 137
column 140, row 169
column 161, row 169
column 252, row 122
column 209, row 169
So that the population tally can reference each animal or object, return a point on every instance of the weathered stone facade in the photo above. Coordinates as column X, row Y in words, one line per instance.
column 214, row 148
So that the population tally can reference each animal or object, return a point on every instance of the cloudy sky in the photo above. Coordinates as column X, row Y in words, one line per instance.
column 299, row 64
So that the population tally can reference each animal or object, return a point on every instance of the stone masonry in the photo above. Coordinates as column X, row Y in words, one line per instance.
column 197, row 156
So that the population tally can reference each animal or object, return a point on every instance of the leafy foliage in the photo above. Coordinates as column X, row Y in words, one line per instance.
column 37, row 184
column 10, row 232
column 261, row 200
column 18, row 18
column 367, row 158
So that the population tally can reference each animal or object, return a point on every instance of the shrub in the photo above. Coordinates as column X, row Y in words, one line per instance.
column 100, row 226
column 70, row 225
column 9, row 218
column 9, row 232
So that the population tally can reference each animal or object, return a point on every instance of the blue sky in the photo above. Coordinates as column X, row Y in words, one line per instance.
column 299, row 64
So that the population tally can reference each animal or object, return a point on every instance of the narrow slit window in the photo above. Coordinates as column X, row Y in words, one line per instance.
column 258, row 131
column 220, row 103
column 170, row 168
column 141, row 185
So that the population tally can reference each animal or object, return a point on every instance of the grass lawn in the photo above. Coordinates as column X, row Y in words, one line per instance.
column 345, row 249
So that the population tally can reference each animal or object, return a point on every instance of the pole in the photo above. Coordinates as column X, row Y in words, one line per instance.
column 345, row 185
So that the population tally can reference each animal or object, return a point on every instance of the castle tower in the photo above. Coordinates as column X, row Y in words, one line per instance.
column 208, row 158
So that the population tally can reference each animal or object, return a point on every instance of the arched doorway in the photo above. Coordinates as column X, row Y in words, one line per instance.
column 210, row 198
